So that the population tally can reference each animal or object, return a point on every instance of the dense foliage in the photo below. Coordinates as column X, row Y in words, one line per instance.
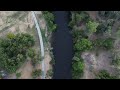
column 110, row 14
column 106, row 43
column 92, row 26
column 77, row 67
column 13, row 50
column 83, row 45
column 35, row 58
column 49, row 17
column 78, row 17
column 87, row 32
column 36, row 73
column 103, row 74
column 18, row 75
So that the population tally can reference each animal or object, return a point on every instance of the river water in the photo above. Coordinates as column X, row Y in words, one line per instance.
column 62, row 46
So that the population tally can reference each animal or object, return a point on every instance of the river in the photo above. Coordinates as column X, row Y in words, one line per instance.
column 62, row 46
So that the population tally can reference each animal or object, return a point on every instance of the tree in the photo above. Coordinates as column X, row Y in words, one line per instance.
column 83, row 45
column 109, row 14
column 10, row 35
column 77, row 68
column 31, row 53
column 18, row 75
column 13, row 50
column 49, row 73
column 92, row 26
column 78, row 17
column 107, row 43
column 49, row 17
column 36, row 73
column 103, row 74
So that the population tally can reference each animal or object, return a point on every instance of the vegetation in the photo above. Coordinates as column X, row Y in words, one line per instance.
column 78, row 17
column 18, row 75
column 49, row 73
column 109, row 14
column 35, row 58
column 106, row 43
column 77, row 67
column 103, row 74
column 49, row 17
column 36, row 73
column 92, row 26
column 31, row 53
column 13, row 50
column 86, row 35
column 83, row 45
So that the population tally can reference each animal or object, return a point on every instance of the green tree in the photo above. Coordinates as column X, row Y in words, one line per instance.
column 18, row 75
column 13, row 50
column 77, row 68
column 103, row 74
column 92, row 26
column 107, row 43
column 36, row 73
column 31, row 53
column 83, row 45
column 49, row 17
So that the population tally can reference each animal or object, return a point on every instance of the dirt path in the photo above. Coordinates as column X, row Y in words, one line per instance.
column 26, row 25
column 47, row 57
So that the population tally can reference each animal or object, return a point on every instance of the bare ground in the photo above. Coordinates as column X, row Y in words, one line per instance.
column 93, row 63
column 26, row 25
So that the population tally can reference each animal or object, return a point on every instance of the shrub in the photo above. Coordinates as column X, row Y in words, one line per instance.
column 13, row 51
column 83, row 45
column 36, row 73
column 18, row 75
column 103, row 74
column 50, row 73
column 31, row 53
column 109, row 14
column 92, row 26
column 49, row 17
column 77, row 68
column 107, row 43
column 77, row 17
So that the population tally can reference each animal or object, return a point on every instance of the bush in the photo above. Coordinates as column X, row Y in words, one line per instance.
column 92, row 26
column 105, row 27
column 83, row 45
column 18, row 75
column 78, row 34
column 77, row 68
column 50, row 73
column 36, row 59
column 49, row 17
column 109, row 14
column 77, row 17
column 116, row 61
column 31, row 53
column 13, row 51
column 107, row 43
column 36, row 73
column 102, row 28
column 103, row 74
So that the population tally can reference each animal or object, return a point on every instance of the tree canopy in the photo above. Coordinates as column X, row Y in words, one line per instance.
column 92, row 26
column 83, row 45
column 13, row 50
